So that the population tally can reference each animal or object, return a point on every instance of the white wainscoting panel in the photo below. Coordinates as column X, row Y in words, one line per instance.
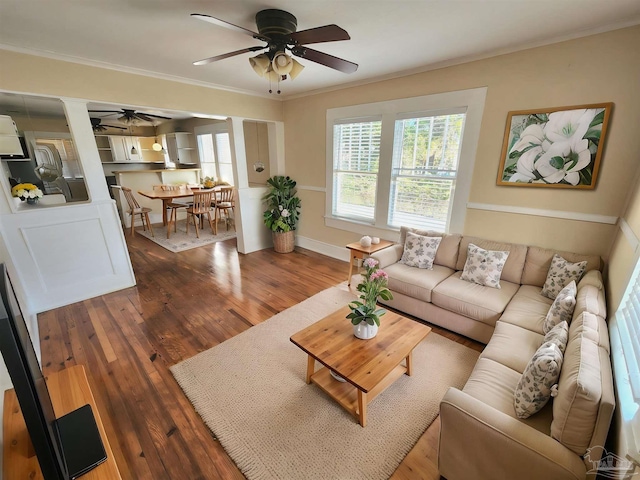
column 583, row 217
column 252, row 234
column 67, row 254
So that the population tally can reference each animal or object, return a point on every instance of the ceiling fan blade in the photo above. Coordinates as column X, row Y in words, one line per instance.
column 325, row 59
column 328, row 33
column 155, row 116
column 105, row 111
column 227, row 55
column 143, row 116
column 230, row 26
column 113, row 126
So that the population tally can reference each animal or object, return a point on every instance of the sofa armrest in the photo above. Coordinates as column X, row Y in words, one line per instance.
column 478, row 441
column 388, row 256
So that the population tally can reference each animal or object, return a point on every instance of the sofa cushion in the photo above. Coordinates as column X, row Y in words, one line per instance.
column 480, row 303
column 562, row 308
column 528, row 309
column 591, row 277
column 533, row 391
column 538, row 261
column 484, row 267
column 420, row 251
column 447, row 253
column 414, row 282
column 512, row 346
column 512, row 271
column 558, row 335
column 493, row 384
column 575, row 408
column 593, row 327
column 561, row 273
column 590, row 299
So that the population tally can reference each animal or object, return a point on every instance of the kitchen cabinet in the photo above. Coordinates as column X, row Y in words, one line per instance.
column 180, row 148
column 121, row 147
column 117, row 149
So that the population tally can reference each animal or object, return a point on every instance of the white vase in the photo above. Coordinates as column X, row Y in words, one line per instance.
column 365, row 241
column 365, row 331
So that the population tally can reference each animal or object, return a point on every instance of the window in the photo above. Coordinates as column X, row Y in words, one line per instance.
column 423, row 176
column 215, row 156
column 625, row 353
column 402, row 162
column 355, row 171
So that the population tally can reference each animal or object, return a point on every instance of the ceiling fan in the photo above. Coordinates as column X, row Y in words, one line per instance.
column 278, row 29
column 131, row 117
column 98, row 126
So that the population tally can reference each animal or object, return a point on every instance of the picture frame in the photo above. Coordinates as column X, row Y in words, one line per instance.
column 557, row 147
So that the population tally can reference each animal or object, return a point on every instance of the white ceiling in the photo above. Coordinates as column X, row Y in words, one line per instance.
column 388, row 37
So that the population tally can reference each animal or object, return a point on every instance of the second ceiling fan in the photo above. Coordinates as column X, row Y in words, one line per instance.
column 131, row 117
column 278, row 29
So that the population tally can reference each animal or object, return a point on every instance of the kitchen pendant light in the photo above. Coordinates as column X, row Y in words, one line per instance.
column 156, row 147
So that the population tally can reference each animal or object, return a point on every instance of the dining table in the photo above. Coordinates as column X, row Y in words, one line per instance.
column 167, row 196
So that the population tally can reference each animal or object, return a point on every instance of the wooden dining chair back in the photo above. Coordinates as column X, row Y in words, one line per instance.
column 201, row 207
column 225, row 202
column 136, row 209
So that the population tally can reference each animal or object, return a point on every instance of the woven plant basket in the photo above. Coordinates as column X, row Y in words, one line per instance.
column 283, row 242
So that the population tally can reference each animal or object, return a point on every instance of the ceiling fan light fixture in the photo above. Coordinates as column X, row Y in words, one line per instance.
column 296, row 68
column 260, row 64
column 282, row 63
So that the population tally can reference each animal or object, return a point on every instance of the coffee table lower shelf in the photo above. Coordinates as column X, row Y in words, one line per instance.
column 352, row 399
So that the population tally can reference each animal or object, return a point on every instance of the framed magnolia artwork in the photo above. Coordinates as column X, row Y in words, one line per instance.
column 554, row 147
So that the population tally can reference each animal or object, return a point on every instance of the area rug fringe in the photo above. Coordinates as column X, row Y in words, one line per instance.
column 250, row 391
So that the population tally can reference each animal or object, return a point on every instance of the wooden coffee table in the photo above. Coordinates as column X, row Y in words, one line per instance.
column 368, row 366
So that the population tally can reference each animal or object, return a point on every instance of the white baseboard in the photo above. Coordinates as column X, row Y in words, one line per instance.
column 339, row 253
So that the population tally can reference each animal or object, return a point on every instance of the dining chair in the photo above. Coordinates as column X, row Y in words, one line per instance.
column 225, row 201
column 135, row 209
column 173, row 206
column 201, row 207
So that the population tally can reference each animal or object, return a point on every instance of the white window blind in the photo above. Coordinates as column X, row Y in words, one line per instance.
column 356, row 159
column 625, row 353
column 425, row 162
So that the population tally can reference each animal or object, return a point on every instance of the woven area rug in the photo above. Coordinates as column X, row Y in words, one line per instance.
column 181, row 241
column 250, row 391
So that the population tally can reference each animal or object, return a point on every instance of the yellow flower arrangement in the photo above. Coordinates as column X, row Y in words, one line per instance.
column 26, row 191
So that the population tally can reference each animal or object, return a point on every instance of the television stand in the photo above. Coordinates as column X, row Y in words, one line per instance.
column 69, row 389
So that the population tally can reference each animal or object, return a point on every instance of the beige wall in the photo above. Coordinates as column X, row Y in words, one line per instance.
column 256, row 144
column 31, row 74
column 595, row 69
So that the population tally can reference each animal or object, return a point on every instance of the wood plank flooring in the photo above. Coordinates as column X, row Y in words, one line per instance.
column 183, row 304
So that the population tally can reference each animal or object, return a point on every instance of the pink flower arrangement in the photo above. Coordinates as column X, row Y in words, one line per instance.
column 372, row 287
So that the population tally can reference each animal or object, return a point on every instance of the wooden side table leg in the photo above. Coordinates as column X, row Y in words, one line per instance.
column 351, row 258
column 409, row 363
column 311, row 366
column 362, row 408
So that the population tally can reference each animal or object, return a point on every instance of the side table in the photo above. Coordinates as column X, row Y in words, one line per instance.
column 358, row 251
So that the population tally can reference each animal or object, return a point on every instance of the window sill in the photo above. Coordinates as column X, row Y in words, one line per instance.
column 362, row 228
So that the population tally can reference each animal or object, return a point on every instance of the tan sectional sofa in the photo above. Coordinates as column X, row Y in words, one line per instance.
column 481, row 436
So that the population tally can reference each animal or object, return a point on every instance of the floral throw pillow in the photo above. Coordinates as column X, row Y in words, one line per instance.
column 484, row 267
column 562, row 308
column 541, row 374
column 558, row 335
column 420, row 251
column 560, row 274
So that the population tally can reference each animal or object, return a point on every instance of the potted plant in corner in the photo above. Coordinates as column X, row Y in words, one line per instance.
column 283, row 210
column 365, row 315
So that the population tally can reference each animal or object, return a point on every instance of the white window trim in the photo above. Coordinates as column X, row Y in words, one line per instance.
column 472, row 100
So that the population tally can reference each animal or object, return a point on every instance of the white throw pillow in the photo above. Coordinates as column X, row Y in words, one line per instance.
column 484, row 267
column 541, row 374
column 560, row 274
column 420, row 251
column 562, row 308
column 558, row 335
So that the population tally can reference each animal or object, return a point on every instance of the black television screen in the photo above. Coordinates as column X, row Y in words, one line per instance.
column 66, row 447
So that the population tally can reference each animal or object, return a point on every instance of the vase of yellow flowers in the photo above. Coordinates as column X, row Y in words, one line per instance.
column 27, row 192
column 365, row 315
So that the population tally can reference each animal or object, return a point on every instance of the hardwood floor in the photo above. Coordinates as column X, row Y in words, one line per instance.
column 183, row 304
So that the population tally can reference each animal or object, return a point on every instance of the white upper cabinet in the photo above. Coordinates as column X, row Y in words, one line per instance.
column 121, row 148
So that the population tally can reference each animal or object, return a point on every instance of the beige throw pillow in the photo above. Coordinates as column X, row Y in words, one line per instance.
column 420, row 251
column 562, row 308
column 560, row 274
column 558, row 335
column 541, row 374
column 484, row 267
